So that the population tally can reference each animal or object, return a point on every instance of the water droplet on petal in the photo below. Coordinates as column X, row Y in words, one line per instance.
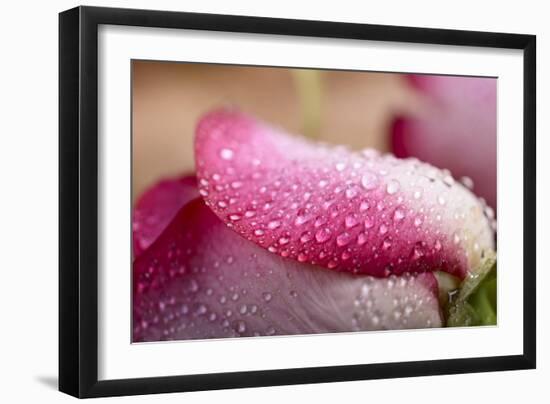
column 273, row 224
column 369, row 180
column 467, row 182
column 302, row 257
column 398, row 215
column 340, row 166
column 392, row 187
column 323, row 235
column 343, row 239
column 362, row 238
column 448, row 180
column 284, row 240
column 351, row 192
column 226, row 154
column 258, row 232
column 241, row 327
column 456, row 238
column 234, row 217
column 369, row 222
column 351, row 221
column 267, row 296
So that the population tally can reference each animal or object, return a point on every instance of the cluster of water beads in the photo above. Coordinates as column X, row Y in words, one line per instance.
column 402, row 303
column 266, row 213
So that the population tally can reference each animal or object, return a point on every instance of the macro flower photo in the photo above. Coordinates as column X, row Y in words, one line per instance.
column 275, row 201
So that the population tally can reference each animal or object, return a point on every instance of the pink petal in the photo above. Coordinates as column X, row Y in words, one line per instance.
column 201, row 280
column 156, row 208
column 358, row 212
column 457, row 131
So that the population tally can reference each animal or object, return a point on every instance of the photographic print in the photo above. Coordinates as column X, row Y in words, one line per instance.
column 272, row 201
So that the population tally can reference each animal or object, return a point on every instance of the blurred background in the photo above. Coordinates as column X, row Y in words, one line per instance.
column 447, row 121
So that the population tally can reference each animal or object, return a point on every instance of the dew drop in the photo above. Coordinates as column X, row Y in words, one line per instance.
column 361, row 239
column 437, row 245
column 383, row 229
column 236, row 184
column 398, row 215
column 441, row 200
column 234, row 217
column 340, row 166
column 467, row 182
column 320, row 221
column 302, row 257
column 392, row 187
column 448, row 180
column 273, row 224
column 369, row 222
column 267, row 296
column 301, row 219
column 351, row 221
column 456, row 238
column 258, row 232
column 241, row 327
column 305, row 237
column 417, row 251
column 387, row 244
column 364, row 206
column 293, row 294
column 226, row 154
column 351, row 192
column 284, row 240
column 323, row 235
column 343, row 239
column 417, row 221
column 369, row 180
column 417, row 193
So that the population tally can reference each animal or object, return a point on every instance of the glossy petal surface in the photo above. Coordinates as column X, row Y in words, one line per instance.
column 157, row 207
column 202, row 280
column 358, row 212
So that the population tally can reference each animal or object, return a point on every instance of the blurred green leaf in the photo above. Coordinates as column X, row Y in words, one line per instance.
column 475, row 302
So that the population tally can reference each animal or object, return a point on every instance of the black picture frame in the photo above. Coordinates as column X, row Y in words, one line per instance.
column 78, row 200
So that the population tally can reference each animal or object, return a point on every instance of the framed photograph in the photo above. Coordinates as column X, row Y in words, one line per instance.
column 251, row 201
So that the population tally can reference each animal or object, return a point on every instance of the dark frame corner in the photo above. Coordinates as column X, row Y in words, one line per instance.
column 78, row 175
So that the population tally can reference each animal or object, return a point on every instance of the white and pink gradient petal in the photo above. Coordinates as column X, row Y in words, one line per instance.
column 201, row 280
column 359, row 212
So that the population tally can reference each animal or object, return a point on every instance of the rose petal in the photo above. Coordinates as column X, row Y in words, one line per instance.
column 458, row 130
column 156, row 208
column 201, row 280
column 328, row 206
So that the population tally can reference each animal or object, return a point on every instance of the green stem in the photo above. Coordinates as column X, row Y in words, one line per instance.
column 475, row 302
